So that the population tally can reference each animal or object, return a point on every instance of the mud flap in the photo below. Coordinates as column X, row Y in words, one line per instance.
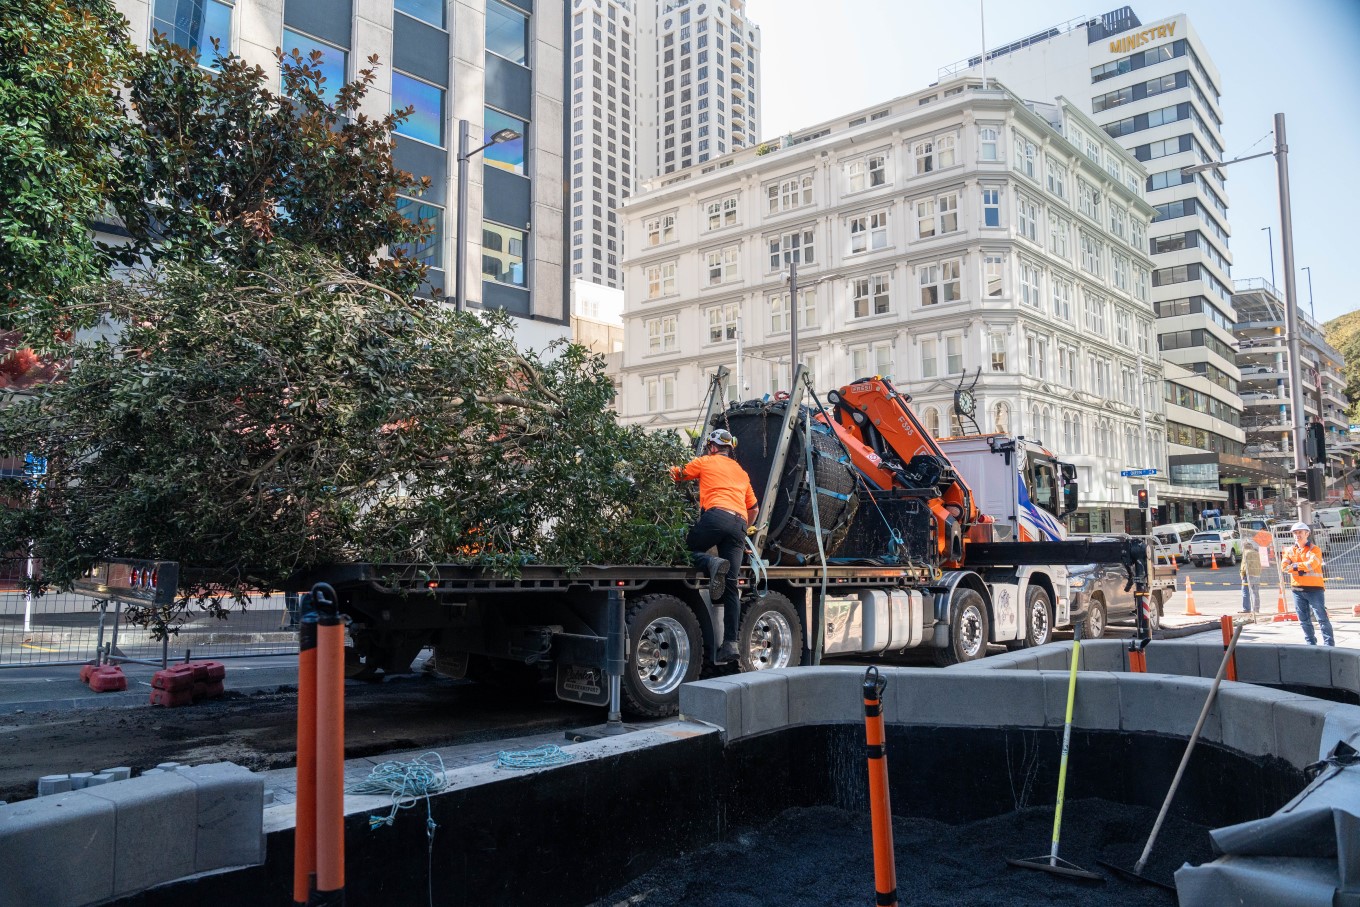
column 580, row 662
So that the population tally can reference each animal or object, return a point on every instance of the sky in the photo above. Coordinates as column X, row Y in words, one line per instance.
column 821, row 59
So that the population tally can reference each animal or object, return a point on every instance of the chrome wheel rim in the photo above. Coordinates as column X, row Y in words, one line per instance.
column 771, row 644
column 1038, row 621
column 970, row 627
column 663, row 655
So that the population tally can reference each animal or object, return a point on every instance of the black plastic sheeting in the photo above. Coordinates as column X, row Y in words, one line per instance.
column 572, row 835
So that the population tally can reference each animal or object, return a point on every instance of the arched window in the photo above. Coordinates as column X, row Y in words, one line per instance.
column 1067, row 444
column 1076, row 434
column 932, row 421
column 1035, row 422
column 1047, row 434
column 1001, row 417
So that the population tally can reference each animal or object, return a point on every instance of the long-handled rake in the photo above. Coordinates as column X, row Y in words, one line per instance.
column 1054, row 863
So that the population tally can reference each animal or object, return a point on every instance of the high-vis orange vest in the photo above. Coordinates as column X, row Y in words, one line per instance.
column 722, row 483
column 1310, row 558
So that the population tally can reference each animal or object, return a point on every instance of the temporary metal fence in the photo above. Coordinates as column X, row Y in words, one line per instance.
column 1341, row 569
column 65, row 628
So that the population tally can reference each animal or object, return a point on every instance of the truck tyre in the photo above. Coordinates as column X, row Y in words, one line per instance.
column 1038, row 618
column 968, row 629
column 1093, row 627
column 1155, row 611
column 770, row 635
column 666, row 649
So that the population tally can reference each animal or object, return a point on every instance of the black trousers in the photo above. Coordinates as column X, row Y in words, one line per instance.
column 727, row 532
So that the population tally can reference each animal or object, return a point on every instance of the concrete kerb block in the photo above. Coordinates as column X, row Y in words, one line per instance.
column 1173, row 657
column 969, row 698
column 1258, row 663
column 1247, row 715
column 1341, row 723
column 827, row 695
column 1299, row 722
column 1345, row 669
column 715, row 701
column 764, row 701
column 1305, row 666
column 57, row 851
column 1056, row 656
column 154, row 823
column 1166, row 705
column 1095, row 706
column 230, row 815
column 1102, row 655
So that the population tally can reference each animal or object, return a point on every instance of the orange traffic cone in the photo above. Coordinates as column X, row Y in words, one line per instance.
column 1190, row 600
column 1213, row 561
column 1281, row 613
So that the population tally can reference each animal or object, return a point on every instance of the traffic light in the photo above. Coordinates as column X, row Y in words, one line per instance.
column 1316, row 490
column 1315, row 443
column 1142, row 499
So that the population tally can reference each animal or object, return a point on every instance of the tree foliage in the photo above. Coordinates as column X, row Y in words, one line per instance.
column 1343, row 333
column 65, row 148
column 261, row 421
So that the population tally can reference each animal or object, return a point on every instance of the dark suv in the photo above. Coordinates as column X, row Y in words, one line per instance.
column 1098, row 591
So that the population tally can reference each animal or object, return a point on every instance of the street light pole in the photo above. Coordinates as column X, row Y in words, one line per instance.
column 460, row 253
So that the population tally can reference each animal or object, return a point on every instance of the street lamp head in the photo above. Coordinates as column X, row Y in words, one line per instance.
column 504, row 135
column 1198, row 168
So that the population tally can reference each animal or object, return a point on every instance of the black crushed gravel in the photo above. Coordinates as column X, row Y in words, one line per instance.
column 810, row 857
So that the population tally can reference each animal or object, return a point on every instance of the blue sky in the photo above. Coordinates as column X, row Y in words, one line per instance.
column 822, row 58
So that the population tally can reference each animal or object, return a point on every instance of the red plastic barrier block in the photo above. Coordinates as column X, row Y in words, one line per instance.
column 209, row 670
column 85, row 672
column 172, row 698
column 210, row 690
column 108, row 679
column 175, row 677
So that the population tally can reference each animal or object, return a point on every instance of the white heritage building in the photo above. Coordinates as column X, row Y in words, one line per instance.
column 949, row 236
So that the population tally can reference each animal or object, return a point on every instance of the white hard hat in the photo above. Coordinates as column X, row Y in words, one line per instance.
column 1304, row 526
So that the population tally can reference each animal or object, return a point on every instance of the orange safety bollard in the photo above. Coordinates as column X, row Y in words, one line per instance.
column 1281, row 612
column 1190, row 610
column 1213, row 561
column 304, row 835
column 330, row 750
column 1226, row 624
column 880, row 809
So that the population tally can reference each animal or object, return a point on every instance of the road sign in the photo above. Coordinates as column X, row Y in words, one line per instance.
column 1131, row 473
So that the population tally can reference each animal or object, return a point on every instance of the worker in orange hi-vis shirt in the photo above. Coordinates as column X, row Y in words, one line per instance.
column 1303, row 563
column 728, row 509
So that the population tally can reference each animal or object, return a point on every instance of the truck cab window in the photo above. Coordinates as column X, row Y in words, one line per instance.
column 1044, row 487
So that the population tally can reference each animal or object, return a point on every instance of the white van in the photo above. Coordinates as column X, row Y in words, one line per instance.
column 1175, row 538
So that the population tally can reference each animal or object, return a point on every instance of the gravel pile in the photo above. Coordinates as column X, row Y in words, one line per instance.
column 823, row 856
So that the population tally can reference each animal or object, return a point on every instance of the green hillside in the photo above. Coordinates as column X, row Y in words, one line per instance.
column 1343, row 333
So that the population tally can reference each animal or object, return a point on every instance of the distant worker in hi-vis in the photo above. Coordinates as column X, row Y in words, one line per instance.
column 1302, row 562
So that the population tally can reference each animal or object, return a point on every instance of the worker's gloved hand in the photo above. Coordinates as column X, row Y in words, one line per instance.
column 751, row 531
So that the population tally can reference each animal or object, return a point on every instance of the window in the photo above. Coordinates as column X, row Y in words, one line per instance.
column 945, row 154
column 994, row 275
column 1062, row 299
column 1137, row 234
column 1095, row 314
column 937, row 215
column 1119, row 272
column 868, row 173
column 1088, row 200
column 1057, row 180
column 1059, row 231
column 1001, row 417
column 431, row 11
column 722, row 322
column 779, row 311
column 869, row 232
column 660, row 393
column 722, row 212
column 789, row 194
column 331, row 65
column 1141, row 284
column 507, row 32
column 953, row 347
column 503, row 254
column 1027, row 220
column 660, row 229
column 929, row 358
column 998, row 343
column 987, row 142
column 1029, row 284
column 661, row 280
column 991, row 207
column 932, row 421
column 924, row 153
column 1066, row 357
column 508, row 155
column 1090, row 254
column 722, row 265
column 794, row 246
column 426, row 120
column 1117, row 220
column 870, row 295
column 661, row 334
column 1123, row 330
column 193, row 24
column 428, row 249
column 1036, row 356
column 1026, row 157
column 940, row 283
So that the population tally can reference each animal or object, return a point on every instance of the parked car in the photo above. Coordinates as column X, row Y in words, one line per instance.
column 1250, row 525
column 1098, row 591
column 1175, row 537
column 1224, row 545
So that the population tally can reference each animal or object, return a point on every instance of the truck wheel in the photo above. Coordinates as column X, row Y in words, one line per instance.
column 967, row 630
column 1094, row 625
column 1155, row 611
column 770, row 635
column 667, row 650
column 1038, row 618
